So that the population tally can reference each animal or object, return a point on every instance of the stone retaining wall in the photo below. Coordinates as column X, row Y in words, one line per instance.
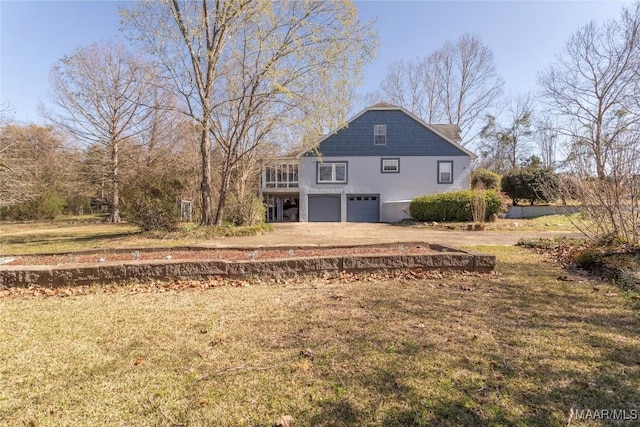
column 516, row 212
column 107, row 272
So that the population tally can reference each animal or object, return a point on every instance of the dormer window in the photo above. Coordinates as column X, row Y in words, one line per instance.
column 379, row 134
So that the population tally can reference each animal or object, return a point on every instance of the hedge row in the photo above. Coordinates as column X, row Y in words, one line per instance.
column 454, row 206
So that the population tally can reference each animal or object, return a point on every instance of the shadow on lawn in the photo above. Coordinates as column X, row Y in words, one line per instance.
column 409, row 409
column 57, row 239
column 557, row 348
column 591, row 357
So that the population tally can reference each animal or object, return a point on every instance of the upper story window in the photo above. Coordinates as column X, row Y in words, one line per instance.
column 281, row 176
column 332, row 173
column 445, row 172
column 390, row 165
column 379, row 134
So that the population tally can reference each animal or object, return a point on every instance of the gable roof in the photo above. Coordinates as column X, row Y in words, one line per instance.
column 448, row 134
column 383, row 105
column 450, row 131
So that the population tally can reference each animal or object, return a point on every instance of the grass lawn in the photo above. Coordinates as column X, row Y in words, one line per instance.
column 521, row 347
column 68, row 235
column 543, row 223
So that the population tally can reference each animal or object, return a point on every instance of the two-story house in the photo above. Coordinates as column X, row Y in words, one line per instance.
column 367, row 171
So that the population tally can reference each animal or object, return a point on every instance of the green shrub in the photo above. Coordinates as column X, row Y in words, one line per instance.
column 533, row 183
column 485, row 179
column 47, row 205
column 454, row 206
column 247, row 210
column 589, row 259
column 618, row 263
column 152, row 203
column 50, row 205
column 77, row 204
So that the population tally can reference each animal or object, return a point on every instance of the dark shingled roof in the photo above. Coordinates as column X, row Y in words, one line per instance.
column 450, row 131
column 407, row 135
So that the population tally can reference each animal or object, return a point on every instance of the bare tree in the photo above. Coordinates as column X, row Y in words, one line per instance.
column 546, row 138
column 5, row 111
column 248, row 67
column 611, row 207
column 456, row 84
column 17, row 183
column 162, row 136
column 188, row 39
column 36, row 161
column 289, row 58
column 593, row 88
column 414, row 86
column 505, row 145
column 100, row 96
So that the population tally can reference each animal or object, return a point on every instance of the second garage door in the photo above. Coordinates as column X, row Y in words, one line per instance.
column 324, row 208
column 363, row 208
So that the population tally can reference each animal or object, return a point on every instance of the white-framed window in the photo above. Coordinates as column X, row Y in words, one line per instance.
column 379, row 134
column 332, row 173
column 284, row 175
column 390, row 165
column 445, row 172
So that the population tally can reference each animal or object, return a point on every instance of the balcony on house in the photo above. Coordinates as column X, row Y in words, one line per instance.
column 281, row 175
column 280, row 189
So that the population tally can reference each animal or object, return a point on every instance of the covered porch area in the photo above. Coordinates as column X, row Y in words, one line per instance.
column 282, row 207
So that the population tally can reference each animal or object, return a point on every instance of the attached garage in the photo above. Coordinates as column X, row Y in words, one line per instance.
column 324, row 208
column 363, row 207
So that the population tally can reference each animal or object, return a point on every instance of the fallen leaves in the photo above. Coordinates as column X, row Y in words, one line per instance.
column 180, row 285
column 561, row 251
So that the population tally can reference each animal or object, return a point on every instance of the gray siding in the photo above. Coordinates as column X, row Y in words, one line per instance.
column 405, row 137
column 417, row 176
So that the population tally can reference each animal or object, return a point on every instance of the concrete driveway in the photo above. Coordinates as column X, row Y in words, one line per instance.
column 342, row 234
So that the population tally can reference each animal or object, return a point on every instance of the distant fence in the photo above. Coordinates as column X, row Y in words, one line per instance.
column 534, row 211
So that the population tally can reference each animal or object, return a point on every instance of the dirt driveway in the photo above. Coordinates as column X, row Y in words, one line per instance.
column 332, row 234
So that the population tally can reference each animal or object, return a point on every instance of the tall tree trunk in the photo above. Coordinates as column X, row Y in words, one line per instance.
column 205, row 185
column 598, row 157
column 225, row 183
column 598, row 148
column 115, row 204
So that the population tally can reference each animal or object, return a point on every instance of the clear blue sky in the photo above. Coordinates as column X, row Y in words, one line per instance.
column 524, row 37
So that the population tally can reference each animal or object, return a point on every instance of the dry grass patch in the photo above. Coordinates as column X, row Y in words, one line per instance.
column 60, row 236
column 69, row 235
column 543, row 223
column 522, row 347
